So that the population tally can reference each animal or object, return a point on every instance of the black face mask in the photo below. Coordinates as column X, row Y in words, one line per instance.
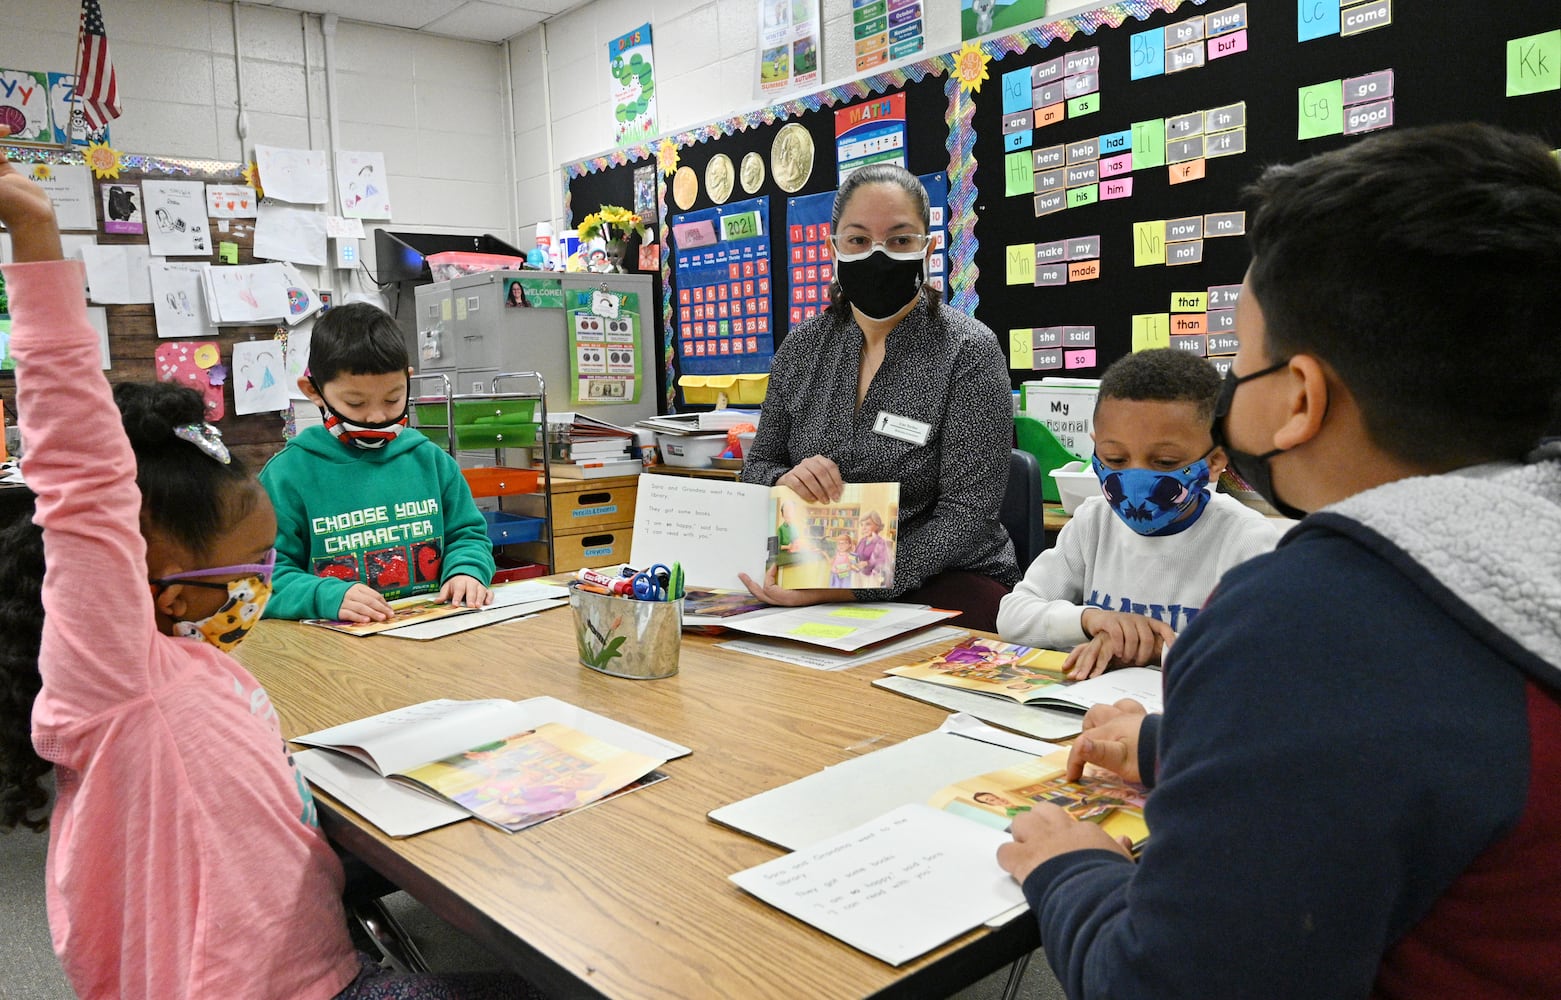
column 1252, row 468
column 879, row 285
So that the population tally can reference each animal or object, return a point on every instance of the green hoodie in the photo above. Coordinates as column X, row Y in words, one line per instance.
column 399, row 518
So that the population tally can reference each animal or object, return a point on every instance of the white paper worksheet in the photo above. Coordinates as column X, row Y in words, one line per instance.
column 895, row 887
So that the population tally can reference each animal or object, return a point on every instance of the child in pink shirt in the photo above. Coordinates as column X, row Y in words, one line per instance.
column 184, row 856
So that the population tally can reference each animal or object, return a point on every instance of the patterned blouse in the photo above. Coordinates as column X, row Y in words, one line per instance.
column 944, row 369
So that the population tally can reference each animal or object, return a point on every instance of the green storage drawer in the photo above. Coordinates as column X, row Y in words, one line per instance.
column 495, row 435
column 478, row 411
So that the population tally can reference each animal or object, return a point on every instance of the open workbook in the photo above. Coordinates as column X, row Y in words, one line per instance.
column 511, row 764
column 1029, row 676
column 716, row 530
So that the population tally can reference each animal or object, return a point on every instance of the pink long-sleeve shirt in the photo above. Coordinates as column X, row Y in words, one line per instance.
column 184, row 856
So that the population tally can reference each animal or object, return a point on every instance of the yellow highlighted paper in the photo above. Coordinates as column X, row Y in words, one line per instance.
column 1021, row 349
column 819, row 630
column 1021, row 263
column 1151, row 331
column 865, row 614
column 1148, row 243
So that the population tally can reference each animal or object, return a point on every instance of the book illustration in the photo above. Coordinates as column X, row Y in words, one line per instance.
column 849, row 543
column 720, row 531
column 406, row 611
column 991, row 667
column 534, row 775
column 719, row 603
column 1031, row 677
column 1099, row 796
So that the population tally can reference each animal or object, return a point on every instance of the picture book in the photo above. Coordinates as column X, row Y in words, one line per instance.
column 1098, row 797
column 531, row 776
column 511, row 764
column 894, row 851
column 718, row 530
column 511, row 600
column 1031, row 676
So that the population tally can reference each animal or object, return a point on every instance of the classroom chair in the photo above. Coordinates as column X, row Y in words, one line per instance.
column 1022, row 512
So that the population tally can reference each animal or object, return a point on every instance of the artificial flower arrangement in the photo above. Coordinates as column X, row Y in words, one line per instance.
column 611, row 223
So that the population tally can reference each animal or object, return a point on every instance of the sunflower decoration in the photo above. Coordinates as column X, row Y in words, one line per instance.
column 970, row 66
column 252, row 178
column 667, row 157
column 104, row 160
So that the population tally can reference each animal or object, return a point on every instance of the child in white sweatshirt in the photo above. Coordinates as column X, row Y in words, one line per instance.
column 1135, row 564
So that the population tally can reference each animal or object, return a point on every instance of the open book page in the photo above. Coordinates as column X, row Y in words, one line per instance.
column 1038, row 721
column 821, row 659
column 843, row 627
column 849, row 543
column 714, row 529
column 398, row 809
column 1099, row 797
column 406, row 737
column 425, row 609
column 1031, row 676
column 895, row 887
column 848, row 794
column 407, row 611
column 531, row 776
column 399, row 740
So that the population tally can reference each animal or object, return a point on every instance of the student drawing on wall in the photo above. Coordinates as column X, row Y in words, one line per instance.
column 122, row 205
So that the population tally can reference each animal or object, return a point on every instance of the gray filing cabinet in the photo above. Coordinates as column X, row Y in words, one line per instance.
column 465, row 331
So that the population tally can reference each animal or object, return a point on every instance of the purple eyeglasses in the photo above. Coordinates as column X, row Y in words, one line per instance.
column 263, row 569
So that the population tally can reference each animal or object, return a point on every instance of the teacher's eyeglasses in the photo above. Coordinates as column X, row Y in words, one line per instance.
column 856, row 246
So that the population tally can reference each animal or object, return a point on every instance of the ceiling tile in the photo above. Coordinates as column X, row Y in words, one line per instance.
column 487, row 22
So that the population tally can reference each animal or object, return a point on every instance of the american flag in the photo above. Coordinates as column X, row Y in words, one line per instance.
column 96, row 89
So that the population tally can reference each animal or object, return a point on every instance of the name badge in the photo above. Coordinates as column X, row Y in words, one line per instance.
column 901, row 428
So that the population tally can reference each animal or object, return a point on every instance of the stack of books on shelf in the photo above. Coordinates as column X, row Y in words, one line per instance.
column 582, row 447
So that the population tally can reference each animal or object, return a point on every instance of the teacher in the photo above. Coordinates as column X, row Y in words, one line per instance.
column 890, row 385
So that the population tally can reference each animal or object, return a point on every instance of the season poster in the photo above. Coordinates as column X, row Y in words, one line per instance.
column 789, row 41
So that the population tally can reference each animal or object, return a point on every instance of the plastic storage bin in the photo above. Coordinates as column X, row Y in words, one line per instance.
column 742, row 388
column 454, row 263
column 690, row 451
column 1076, row 482
column 1036, row 438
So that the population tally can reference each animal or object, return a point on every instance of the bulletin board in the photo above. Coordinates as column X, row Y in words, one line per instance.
column 1147, row 118
column 133, row 342
column 1139, row 241
column 609, row 180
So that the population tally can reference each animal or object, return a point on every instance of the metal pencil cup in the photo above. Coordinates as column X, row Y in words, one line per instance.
column 624, row 638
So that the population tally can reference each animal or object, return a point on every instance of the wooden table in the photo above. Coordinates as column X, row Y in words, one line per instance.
column 631, row 898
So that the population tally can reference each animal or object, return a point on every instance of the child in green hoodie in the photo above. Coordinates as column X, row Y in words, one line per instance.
column 367, row 509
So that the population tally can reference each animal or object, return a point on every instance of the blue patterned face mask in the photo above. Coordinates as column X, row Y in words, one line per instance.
column 1152, row 501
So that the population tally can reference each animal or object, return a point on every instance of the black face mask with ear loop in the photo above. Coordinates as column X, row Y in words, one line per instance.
column 1254, row 469
column 880, row 285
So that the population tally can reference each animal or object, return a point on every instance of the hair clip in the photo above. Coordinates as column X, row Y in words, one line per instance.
column 205, row 437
